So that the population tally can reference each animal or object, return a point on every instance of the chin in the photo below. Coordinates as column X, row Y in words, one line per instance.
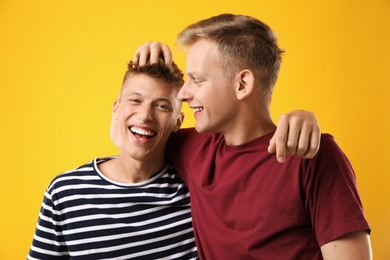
column 198, row 129
column 202, row 130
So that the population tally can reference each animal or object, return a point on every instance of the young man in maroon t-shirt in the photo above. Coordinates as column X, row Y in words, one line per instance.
column 245, row 205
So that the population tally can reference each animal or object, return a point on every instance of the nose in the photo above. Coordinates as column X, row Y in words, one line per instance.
column 145, row 113
column 184, row 93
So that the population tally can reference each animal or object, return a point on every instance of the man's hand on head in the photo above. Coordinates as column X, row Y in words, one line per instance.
column 153, row 52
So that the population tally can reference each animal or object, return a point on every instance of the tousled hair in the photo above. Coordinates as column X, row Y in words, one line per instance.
column 169, row 74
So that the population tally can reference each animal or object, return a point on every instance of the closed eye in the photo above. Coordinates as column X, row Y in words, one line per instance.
column 194, row 78
column 197, row 81
column 133, row 100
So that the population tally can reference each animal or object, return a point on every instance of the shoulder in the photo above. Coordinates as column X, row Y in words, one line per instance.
column 186, row 139
column 171, row 176
column 330, row 150
column 327, row 141
column 331, row 161
column 74, row 176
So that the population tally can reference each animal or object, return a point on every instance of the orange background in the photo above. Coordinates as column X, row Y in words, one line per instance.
column 62, row 62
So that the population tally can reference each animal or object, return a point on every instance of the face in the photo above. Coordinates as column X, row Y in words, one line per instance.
column 207, row 90
column 144, row 116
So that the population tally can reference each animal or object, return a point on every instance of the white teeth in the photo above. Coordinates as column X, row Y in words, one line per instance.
column 141, row 131
column 197, row 109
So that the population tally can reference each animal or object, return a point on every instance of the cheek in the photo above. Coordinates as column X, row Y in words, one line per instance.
column 167, row 125
column 123, row 113
column 114, row 129
column 214, row 91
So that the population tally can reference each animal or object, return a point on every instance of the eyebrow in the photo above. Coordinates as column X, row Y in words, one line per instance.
column 134, row 93
column 191, row 74
column 196, row 74
column 164, row 99
column 155, row 100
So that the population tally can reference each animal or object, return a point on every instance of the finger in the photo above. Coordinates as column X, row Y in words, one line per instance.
column 136, row 58
column 303, row 140
column 280, row 136
column 314, row 143
column 155, row 52
column 143, row 54
column 272, row 145
column 167, row 55
column 294, row 132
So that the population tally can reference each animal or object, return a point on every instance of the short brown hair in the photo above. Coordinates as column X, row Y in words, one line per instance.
column 244, row 42
column 169, row 74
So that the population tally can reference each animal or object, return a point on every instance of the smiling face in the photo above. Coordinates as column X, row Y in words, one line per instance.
column 144, row 116
column 208, row 90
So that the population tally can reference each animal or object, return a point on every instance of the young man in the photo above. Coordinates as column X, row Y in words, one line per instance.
column 246, row 205
column 133, row 206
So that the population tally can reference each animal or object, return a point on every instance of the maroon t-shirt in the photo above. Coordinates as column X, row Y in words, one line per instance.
column 246, row 205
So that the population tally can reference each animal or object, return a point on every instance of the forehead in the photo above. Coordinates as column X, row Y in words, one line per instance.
column 148, row 86
column 203, row 56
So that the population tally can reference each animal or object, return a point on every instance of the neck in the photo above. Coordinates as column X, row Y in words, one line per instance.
column 250, row 124
column 129, row 170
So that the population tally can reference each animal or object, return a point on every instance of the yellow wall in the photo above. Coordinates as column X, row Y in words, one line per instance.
column 61, row 65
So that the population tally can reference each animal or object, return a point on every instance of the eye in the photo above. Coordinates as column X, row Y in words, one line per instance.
column 164, row 107
column 135, row 100
column 197, row 80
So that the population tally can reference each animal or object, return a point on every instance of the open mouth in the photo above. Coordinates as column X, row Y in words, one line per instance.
column 197, row 109
column 142, row 133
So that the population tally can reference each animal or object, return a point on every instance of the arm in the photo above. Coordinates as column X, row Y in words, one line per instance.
column 334, row 205
column 352, row 246
column 297, row 133
column 48, row 242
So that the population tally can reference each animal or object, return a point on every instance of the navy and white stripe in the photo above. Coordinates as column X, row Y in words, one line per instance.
column 86, row 216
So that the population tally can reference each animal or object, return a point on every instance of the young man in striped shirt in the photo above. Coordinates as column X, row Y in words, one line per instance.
column 133, row 206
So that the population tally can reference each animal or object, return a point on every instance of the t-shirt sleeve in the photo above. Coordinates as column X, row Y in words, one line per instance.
column 48, row 242
column 332, row 196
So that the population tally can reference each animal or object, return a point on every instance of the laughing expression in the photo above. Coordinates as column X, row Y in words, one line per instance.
column 144, row 116
column 208, row 92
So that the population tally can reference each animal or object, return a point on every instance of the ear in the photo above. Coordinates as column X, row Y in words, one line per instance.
column 114, row 136
column 179, row 122
column 115, row 107
column 245, row 84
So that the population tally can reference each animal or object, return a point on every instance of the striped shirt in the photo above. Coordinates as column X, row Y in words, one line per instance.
column 84, row 215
